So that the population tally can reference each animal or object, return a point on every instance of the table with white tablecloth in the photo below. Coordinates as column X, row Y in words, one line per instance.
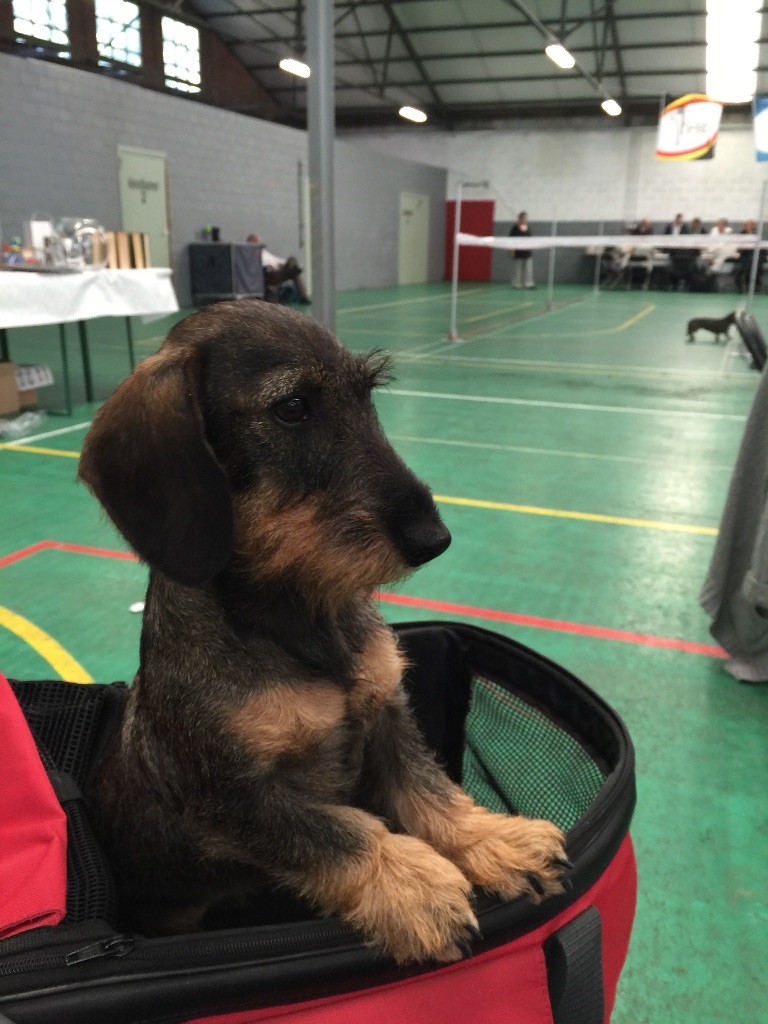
column 36, row 298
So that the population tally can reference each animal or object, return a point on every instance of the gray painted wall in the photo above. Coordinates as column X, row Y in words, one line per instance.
column 59, row 132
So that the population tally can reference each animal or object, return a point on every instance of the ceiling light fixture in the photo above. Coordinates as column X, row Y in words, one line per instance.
column 295, row 67
column 733, row 51
column 558, row 53
column 611, row 107
column 413, row 114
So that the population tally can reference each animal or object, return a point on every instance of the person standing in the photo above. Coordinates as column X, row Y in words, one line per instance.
column 522, row 273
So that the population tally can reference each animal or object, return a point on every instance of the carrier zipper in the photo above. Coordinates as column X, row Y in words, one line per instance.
column 204, row 948
column 121, row 945
column 118, row 945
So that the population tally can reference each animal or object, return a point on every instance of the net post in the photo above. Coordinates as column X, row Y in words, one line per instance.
column 756, row 252
column 598, row 262
column 551, row 278
column 453, row 334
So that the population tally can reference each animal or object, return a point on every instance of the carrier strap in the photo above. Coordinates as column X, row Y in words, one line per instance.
column 575, row 971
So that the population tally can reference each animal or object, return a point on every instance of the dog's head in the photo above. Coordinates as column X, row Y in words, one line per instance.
column 251, row 439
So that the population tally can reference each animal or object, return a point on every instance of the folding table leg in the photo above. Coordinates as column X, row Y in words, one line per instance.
column 129, row 333
column 65, row 371
column 87, row 376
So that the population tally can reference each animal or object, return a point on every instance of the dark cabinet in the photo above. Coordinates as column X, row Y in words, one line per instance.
column 225, row 270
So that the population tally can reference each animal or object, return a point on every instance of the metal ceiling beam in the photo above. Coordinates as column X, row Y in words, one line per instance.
column 547, row 35
column 551, row 25
column 474, row 54
column 411, row 50
column 617, row 55
column 365, row 117
column 345, row 7
column 511, row 79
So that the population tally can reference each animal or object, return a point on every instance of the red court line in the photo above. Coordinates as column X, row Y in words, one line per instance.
column 556, row 625
column 445, row 607
column 77, row 549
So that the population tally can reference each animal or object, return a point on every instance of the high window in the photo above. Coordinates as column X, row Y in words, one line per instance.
column 181, row 55
column 118, row 32
column 44, row 20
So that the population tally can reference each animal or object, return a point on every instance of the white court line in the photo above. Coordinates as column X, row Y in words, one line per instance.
column 577, row 406
column 406, row 302
column 492, row 361
column 49, row 433
column 517, row 449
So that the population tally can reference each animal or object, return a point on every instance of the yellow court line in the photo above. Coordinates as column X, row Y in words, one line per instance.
column 592, row 517
column 532, row 510
column 633, row 319
column 40, row 451
column 50, row 650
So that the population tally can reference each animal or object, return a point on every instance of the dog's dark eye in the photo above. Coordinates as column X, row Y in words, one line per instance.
column 291, row 410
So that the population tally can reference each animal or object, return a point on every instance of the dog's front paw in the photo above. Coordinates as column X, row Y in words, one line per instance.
column 414, row 904
column 514, row 856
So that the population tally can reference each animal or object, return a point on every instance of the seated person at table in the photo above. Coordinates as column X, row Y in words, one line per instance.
column 677, row 226
column 715, row 256
column 278, row 271
column 682, row 262
column 696, row 227
column 744, row 257
column 643, row 228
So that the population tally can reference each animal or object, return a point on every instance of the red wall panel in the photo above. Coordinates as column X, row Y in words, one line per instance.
column 476, row 219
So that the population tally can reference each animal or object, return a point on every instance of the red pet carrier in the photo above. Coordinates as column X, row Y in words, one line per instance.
column 520, row 733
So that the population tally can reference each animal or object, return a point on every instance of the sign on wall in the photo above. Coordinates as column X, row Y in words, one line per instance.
column 760, row 109
column 688, row 128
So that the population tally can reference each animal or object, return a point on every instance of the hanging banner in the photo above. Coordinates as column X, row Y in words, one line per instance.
column 688, row 128
column 760, row 110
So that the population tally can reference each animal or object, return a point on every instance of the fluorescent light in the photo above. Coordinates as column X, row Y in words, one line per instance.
column 611, row 107
column 733, row 30
column 560, row 56
column 295, row 67
column 412, row 114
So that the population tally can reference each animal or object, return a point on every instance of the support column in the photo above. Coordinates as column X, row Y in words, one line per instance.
column 321, row 125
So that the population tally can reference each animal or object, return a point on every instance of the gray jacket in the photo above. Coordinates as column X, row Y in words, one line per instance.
column 735, row 592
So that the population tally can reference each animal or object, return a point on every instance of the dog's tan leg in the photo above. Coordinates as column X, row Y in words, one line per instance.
column 508, row 855
column 512, row 856
column 405, row 898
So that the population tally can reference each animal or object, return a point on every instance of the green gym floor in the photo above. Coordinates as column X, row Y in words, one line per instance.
column 581, row 458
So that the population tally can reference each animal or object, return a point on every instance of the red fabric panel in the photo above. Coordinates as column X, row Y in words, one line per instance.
column 33, row 829
column 507, row 985
column 476, row 219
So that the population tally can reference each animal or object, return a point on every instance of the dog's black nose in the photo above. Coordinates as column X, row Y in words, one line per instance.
column 421, row 542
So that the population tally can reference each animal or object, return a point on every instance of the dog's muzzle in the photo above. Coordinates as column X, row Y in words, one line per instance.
column 421, row 542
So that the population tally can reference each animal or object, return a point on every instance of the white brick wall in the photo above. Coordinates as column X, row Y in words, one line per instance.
column 59, row 132
column 587, row 174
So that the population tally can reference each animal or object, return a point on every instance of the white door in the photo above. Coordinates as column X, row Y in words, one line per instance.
column 144, row 199
column 413, row 244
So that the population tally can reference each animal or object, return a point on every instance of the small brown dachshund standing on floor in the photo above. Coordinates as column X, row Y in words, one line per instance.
column 267, row 736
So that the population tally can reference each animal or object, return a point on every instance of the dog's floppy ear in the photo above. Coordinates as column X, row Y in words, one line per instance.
column 147, row 460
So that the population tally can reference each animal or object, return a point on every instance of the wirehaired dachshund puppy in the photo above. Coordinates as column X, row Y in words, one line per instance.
column 718, row 327
column 267, row 736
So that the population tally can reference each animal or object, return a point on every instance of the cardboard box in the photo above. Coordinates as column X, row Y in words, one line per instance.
column 9, row 395
column 28, row 400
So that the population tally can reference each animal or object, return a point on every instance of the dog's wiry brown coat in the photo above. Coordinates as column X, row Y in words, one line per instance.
column 267, row 737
